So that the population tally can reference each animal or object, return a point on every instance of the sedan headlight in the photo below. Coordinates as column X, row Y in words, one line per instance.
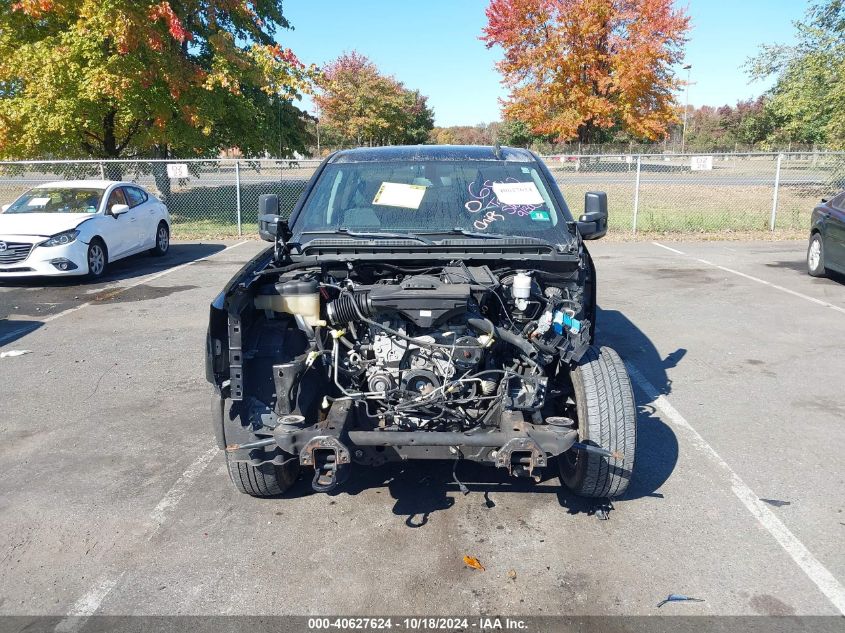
column 60, row 239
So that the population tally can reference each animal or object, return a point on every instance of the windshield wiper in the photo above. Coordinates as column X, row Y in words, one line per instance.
column 372, row 235
column 486, row 236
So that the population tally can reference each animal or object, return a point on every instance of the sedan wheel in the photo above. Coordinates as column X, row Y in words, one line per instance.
column 162, row 240
column 815, row 256
column 96, row 259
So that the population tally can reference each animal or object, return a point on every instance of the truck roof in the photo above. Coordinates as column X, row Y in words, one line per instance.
column 405, row 153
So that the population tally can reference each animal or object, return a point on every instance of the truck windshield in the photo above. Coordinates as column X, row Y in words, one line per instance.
column 494, row 197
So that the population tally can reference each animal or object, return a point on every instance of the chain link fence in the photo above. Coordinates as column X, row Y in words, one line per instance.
column 714, row 194
column 704, row 194
column 206, row 198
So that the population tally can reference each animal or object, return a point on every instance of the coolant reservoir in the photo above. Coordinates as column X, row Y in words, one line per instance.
column 300, row 297
column 521, row 288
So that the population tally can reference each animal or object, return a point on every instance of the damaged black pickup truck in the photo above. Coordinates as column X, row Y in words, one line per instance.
column 427, row 302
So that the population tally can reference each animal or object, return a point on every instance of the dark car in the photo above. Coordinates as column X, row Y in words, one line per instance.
column 420, row 303
column 826, row 251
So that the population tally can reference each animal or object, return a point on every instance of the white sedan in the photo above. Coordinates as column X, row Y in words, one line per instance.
column 78, row 227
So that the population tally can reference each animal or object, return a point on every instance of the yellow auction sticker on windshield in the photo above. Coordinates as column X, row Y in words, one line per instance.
column 397, row 194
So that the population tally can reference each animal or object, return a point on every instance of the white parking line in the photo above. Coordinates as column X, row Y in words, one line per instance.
column 809, row 564
column 757, row 279
column 90, row 603
column 86, row 606
column 117, row 290
column 674, row 250
column 175, row 494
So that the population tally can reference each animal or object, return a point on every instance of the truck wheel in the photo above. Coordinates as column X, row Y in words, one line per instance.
column 605, row 416
column 267, row 480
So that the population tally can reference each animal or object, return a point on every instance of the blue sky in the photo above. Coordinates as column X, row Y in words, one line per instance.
column 433, row 46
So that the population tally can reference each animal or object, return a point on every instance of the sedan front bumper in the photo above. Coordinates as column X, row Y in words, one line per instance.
column 42, row 261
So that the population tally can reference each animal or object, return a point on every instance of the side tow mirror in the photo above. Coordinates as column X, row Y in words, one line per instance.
column 270, row 225
column 118, row 209
column 593, row 223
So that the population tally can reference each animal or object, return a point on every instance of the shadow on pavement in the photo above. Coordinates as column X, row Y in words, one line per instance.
column 13, row 329
column 620, row 333
column 657, row 446
column 799, row 265
column 421, row 488
column 129, row 268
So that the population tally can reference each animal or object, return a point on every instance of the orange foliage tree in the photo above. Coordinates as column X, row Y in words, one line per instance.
column 576, row 68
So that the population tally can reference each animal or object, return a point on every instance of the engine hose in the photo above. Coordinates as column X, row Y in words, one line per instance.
column 286, row 269
column 487, row 326
column 349, row 307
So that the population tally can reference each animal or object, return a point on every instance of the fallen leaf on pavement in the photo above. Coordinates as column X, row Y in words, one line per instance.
column 472, row 561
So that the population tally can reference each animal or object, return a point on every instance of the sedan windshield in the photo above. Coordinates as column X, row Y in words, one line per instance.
column 496, row 198
column 58, row 200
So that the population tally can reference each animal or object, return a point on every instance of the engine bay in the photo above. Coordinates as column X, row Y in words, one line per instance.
column 372, row 361
column 443, row 347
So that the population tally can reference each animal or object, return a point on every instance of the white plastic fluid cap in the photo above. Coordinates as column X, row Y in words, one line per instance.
column 521, row 286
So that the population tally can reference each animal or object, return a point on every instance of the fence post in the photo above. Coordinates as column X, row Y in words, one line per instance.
column 775, row 195
column 238, row 194
column 102, row 173
column 637, row 193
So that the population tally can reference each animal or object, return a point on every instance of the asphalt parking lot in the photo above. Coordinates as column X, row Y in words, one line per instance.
column 114, row 499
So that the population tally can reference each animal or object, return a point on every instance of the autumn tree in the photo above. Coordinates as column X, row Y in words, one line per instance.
column 86, row 78
column 362, row 106
column 481, row 134
column 577, row 67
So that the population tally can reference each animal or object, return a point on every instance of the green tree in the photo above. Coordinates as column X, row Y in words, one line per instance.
column 140, row 78
column 809, row 95
column 517, row 133
column 362, row 106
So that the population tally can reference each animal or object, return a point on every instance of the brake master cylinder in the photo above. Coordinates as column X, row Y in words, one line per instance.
column 521, row 290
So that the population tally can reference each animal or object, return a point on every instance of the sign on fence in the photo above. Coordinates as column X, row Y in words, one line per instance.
column 177, row 170
column 701, row 163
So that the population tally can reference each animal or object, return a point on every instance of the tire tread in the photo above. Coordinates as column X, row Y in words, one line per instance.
column 607, row 417
column 257, row 481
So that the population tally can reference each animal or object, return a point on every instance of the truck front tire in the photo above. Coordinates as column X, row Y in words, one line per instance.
column 606, row 416
column 266, row 480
